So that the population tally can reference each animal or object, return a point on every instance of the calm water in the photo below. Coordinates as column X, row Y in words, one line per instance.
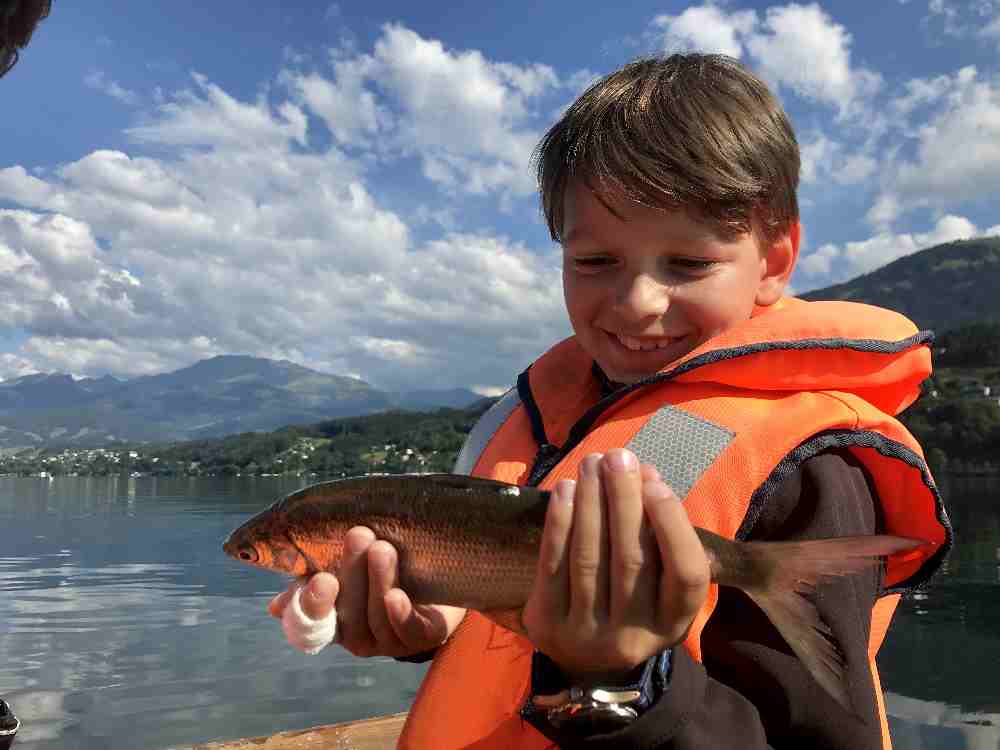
column 122, row 625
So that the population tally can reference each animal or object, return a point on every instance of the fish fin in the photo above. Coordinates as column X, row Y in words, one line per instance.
column 790, row 570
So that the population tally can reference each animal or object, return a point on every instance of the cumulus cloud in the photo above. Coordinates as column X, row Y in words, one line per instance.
column 469, row 120
column 957, row 151
column 707, row 28
column 832, row 263
column 226, row 229
column 796, row 47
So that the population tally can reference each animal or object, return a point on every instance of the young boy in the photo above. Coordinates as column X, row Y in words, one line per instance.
column 18, row 19
column 671, row 185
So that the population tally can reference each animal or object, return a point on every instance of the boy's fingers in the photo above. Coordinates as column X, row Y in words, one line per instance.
column 623, row 488
column 276, row 607
column 320, row 596
column 415, row 629
column 352, row 609
column 686, row 575
column 382, row 578
column 588, row 570
column 552, row 577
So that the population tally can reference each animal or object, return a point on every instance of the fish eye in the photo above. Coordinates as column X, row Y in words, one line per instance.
column 248, row 553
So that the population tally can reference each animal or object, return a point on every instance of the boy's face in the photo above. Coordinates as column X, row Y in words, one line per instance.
column 645, row 287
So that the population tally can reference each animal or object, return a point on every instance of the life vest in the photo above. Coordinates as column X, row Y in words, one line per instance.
column 725, row 425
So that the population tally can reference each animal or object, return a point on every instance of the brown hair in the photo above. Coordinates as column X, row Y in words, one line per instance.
column 18, row 19
column 692, row 131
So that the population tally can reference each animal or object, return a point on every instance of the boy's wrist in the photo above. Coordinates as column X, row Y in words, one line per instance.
column 589, row 707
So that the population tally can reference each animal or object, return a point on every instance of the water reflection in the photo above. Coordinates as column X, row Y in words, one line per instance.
column 945, row 642
column 124, row 626
column 929, row 725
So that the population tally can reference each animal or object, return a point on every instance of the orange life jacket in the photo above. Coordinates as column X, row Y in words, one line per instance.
column 724, row 425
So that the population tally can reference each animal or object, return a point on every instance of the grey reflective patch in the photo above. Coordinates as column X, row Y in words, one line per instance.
column 484, row 431
column 680, row 445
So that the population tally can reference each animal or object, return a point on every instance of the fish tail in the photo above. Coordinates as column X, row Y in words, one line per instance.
column 781, row 576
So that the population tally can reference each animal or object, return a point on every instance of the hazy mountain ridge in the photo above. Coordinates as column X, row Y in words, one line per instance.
column 211, row 398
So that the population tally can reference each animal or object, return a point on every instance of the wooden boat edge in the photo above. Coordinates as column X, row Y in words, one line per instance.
column 376, row 733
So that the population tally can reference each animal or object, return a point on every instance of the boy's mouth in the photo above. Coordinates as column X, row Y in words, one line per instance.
column 645, row 343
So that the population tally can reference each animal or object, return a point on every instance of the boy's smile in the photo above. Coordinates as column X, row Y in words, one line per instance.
column 644, row 286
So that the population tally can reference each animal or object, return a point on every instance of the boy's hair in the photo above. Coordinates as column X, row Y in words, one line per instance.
column 690, row 131
column 18, row 19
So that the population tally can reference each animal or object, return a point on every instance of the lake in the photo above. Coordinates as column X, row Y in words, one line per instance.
column 122, row 624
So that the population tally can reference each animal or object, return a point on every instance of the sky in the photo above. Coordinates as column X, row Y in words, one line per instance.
column 349, row 186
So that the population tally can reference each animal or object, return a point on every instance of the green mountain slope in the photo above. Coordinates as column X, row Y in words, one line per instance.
column 940, row 288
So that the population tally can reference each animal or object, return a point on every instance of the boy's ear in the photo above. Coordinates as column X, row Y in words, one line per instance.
column 776, row 265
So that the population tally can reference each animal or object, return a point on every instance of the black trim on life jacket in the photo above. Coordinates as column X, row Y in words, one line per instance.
column 546, row 451
column 549, row 455
column 833, row 439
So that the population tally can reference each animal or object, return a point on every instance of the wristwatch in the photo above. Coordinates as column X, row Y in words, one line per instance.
column 578, row 711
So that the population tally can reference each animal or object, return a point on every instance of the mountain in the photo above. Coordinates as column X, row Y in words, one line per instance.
column 940, row 288
column 214, row 397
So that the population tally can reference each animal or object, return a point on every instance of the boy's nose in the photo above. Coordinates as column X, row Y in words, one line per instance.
column 643, row 296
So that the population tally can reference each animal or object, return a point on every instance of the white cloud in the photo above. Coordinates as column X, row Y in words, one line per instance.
column 826, row 160
column 467, row 119
column 831, row 263
column 957, row 154
column 226, row 230
column 707, row 28
column 796, row 47
column 800, row 47
column 349, row 110
column 96, row 79
column 210, row 116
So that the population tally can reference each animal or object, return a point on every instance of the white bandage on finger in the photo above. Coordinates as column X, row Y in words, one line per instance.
column 304, row 633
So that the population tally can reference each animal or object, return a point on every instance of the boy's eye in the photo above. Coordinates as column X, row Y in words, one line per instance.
column 593, row 262
column 693, row 265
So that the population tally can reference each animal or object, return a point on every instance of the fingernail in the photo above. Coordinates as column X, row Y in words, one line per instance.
column 622, row 460
column 588, row 467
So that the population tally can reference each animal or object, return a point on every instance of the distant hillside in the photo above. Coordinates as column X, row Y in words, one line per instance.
column 940, row 288
column 214, row 397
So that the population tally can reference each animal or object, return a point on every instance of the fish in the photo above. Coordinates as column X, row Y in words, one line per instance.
column 474, row 543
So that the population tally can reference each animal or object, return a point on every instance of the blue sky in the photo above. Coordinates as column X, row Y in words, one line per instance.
column 348, row 185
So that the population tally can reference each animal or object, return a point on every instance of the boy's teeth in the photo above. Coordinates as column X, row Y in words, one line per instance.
column 633, row 344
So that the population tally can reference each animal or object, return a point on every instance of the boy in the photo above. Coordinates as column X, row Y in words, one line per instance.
column 18, row 19
column 671, row 186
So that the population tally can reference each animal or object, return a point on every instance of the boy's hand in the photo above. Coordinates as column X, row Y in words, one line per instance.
column 374, row 617
column 621, row 574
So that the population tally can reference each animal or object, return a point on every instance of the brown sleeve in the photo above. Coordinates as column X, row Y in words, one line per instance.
column 751, row 692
